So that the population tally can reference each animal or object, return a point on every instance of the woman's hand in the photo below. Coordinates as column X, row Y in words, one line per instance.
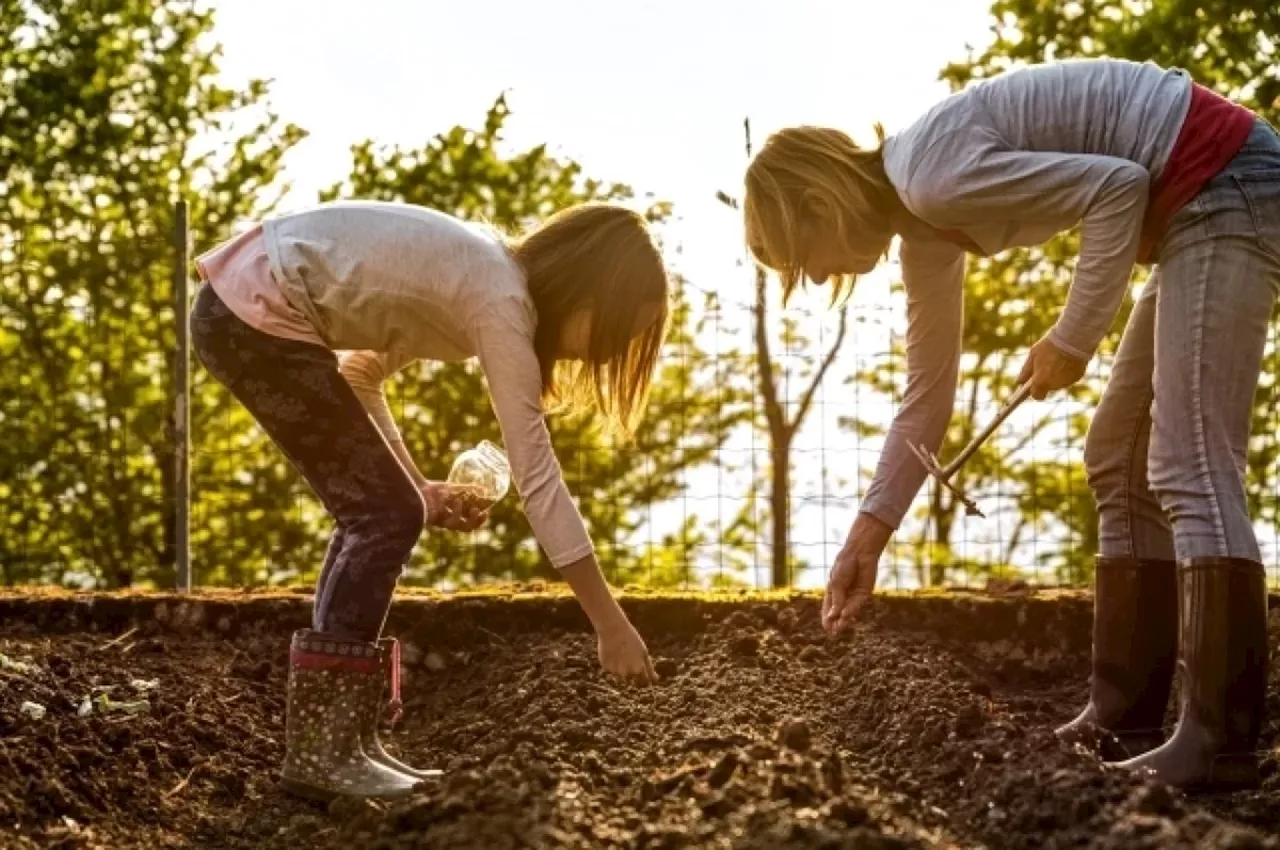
column 1049, row 368
column 449, row 508
column 853, row 579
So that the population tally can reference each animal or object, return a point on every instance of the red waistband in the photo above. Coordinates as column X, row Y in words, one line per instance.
column 1214, row 131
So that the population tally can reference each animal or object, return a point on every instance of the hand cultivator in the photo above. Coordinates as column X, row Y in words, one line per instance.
column 945, row 473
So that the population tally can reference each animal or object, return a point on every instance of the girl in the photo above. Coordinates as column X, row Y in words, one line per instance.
column 1152, row 167
column 572, row 314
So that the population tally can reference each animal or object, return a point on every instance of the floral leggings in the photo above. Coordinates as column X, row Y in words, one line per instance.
column 299, row 397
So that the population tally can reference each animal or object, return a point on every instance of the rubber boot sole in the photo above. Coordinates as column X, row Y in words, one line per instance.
column 323, row 795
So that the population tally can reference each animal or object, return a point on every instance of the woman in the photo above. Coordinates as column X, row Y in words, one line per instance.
column 573, row 314
column 1153, row 168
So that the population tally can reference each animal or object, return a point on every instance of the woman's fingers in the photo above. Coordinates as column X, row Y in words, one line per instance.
column 851, row 595
column 832, row 602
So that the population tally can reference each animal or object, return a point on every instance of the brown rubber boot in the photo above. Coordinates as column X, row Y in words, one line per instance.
column 389, row 658
column 330, row 682
column 1222, row 655
column 1135, row 644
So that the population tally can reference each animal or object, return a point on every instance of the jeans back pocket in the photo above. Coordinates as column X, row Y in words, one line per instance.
column 1261, row 190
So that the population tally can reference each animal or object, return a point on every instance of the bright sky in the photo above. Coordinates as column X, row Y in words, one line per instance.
column 649, row 93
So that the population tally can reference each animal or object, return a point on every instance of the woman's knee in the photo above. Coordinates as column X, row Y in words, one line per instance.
column 1107, row 450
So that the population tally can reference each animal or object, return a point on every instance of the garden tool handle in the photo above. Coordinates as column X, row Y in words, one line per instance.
column 1019, row 396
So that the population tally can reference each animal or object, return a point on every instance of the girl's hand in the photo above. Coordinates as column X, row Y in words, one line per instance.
column 853, row 579
column 451, row 508
column 1049, row 368
column 621, row 649
column 623, row 653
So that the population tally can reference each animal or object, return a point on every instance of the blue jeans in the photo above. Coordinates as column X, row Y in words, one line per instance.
column 1167, row 446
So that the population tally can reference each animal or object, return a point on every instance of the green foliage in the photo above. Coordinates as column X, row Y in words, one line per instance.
column 100, row 107
column 1228, row 46
column 110, row 113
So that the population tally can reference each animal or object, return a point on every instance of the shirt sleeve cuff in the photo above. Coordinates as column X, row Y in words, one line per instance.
column 564, row 559
column 882, row 512
column 1057, row 337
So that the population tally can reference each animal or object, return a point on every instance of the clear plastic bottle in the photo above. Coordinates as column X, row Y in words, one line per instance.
column 481, row 476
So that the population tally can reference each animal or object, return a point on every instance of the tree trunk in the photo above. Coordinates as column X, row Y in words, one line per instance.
column 779, row 509
column 944, row 517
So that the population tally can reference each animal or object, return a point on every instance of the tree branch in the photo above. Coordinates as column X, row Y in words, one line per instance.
column 1015, row 538
column 768, row 385
column 807, row 399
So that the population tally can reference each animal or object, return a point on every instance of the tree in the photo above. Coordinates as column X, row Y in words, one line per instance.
column 782, row 426
column 444, row 409
column 104, row 107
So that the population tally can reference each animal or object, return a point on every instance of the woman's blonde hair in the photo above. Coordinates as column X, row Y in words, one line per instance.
column 598, row 258
column 800, row 171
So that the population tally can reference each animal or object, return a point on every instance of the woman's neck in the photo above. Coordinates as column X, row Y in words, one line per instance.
column 905, row 223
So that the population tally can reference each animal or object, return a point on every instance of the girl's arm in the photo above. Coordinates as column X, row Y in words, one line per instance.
column 933, row 274
column 366, row 371
column 503, row 335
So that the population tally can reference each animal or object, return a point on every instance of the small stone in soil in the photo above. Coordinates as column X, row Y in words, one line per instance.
column 795, row 735
column 666, row 667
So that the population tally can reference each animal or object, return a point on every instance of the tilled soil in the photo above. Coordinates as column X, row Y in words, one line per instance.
column 763, row 733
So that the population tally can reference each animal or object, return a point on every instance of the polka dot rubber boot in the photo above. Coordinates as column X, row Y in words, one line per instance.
column 389, row 657
column 333, row 684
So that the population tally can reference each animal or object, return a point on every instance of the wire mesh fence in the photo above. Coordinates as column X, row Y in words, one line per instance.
column 725, row 485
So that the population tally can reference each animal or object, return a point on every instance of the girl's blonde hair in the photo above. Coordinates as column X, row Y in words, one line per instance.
column 800, row 171
column 598, row 258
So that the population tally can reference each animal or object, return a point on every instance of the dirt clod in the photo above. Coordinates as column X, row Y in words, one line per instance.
column 746, row 646
column 795, row 735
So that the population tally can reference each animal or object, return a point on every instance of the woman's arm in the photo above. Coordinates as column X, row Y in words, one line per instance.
column 933, row 274
column 968, row 178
